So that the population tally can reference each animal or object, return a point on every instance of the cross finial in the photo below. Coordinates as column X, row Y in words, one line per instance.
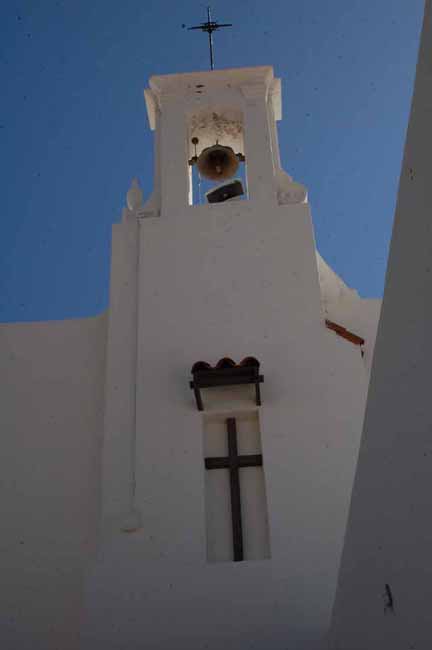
column 210, row 26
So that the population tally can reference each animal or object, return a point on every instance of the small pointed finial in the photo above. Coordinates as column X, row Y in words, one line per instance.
column 134, row 196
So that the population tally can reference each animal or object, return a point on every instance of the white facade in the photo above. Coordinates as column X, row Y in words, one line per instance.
column 200, row 282
column 188, row 282
column 51, row 422
column 384, row 587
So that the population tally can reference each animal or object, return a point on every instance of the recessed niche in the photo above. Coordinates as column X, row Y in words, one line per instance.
column 223, row 515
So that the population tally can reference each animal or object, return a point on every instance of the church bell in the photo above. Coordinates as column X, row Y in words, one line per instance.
column 217, row 163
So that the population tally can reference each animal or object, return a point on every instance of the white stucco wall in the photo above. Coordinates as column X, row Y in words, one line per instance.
column 201, row 282
column 389, row 535
column 51, row 425
column 343, row 305
column 214, row 281
column 120, row 380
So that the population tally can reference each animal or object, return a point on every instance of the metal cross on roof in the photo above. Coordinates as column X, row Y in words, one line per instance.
column 210, row 26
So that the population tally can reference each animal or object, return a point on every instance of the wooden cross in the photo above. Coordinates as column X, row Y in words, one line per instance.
column 234, row 462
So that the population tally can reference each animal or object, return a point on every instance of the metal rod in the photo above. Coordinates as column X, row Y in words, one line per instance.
column 211, row 51
column 210, row 35
column 210, row 26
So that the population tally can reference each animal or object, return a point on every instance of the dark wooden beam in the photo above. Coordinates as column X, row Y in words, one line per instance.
column 344, row 333
column 198, row 397
column 232, row 376
column 236, row 517
column 221, row 462
column 230, row 379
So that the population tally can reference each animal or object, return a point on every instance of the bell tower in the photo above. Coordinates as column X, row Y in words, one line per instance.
column 231, row 429
column 192, row 113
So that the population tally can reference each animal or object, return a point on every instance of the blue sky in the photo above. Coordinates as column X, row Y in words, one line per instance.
column 73, row 128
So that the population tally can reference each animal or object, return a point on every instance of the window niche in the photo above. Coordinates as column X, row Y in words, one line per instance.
column 235, row 496
column 216, row 156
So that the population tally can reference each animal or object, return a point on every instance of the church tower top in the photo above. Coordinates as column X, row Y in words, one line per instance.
column 230, row 112
column 201, row 87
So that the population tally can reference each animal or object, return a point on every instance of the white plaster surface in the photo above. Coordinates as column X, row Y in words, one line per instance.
column 51, row 422
column 389, row 534
column 121, row 366
column 230, row 280
column 199, row 283
column 344, row 306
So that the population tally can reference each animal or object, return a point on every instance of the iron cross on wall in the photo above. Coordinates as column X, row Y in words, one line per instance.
column 234, row 462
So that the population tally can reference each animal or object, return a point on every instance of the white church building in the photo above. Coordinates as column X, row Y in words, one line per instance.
column 177, row 471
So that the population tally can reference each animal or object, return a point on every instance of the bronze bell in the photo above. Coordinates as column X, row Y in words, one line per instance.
column 217, row 163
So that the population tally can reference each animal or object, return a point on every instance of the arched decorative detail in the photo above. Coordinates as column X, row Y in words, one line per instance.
column 226, row 373
column 200, row 365
column 249, row 362
column 226, row 362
